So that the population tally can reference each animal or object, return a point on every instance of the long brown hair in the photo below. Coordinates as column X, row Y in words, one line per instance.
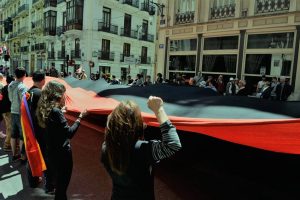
column 50, row 98
column 124, row 127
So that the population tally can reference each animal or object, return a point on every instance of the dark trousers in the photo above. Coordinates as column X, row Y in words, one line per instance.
column 63, row 169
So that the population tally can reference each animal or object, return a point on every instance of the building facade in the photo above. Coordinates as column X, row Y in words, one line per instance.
column 236, row 38
column 115, row 37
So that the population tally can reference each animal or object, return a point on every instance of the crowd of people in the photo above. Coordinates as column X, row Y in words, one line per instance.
column 126, row 155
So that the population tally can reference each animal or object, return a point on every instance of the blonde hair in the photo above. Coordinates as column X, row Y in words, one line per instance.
column 50, row 98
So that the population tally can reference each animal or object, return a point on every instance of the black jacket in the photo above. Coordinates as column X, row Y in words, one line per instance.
column 5, row 103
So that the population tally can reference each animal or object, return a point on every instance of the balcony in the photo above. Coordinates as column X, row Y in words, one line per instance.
column 50, row 3
column 147, row 37
column 134, row 3
column 122, row 56
column 23, row 10
column 60, row 30
column 60, row 1
column 51, row 55
column 145, row 60
column 106, row 55
column 75, row 54
column 106, row 27
column 129, row 33
column 183, row 18
column 74, row 24
column 61, row 55
column 222, row 12
column 271, row 6
column 147, row 7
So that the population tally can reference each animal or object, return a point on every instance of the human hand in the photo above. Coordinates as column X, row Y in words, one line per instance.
column 64, row 109
column 83, row 113
column 155, row 103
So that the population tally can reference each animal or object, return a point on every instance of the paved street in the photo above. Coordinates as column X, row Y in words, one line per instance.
column 205, row 169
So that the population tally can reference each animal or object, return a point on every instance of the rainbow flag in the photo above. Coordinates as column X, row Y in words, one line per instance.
column 33, row 151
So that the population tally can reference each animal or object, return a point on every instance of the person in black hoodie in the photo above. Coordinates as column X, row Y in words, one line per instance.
column 58, row 134
column 5, row 111
column 35, row 94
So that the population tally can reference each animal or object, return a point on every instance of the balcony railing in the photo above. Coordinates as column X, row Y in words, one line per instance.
column 183, row 18
column 222, row 12
column 147, row 37
column 75, row 54
column 61, row 55
column 145, row 60
column 106, row 27
column 271, row 6
column 74, row 24
column 50, row 3
column 147, row 7
column 122, row 56
column 60, row 30
column 129, row 33
column 24, row 7
column 134, row 3
column 51, row 55
column 106, row 55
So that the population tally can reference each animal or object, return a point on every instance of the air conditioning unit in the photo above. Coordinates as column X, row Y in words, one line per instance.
column 245, row 12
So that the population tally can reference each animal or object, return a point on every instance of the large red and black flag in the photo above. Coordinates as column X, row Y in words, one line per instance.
column 258, row 123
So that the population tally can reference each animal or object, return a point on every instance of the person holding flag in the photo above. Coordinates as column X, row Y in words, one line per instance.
column 32, row 98
column 58, row 134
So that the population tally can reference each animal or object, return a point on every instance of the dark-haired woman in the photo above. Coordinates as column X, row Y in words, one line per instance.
column 58, row 134
column 127, row 157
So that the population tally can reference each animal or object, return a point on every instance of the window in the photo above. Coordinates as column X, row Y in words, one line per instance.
column 144, row 55
column 127, row 25
column 145, row 29
column 185, row 6
column 50, row 22
column 219, row 63
column 106, row 17
column 105, row 45
column 269, row 64
column 182, row 63
column 126, row 49
column 74, row 14
column 183, row 45
column 272, row 40
column 218, row 43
